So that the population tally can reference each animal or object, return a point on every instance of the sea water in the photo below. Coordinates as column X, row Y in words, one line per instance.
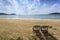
column 45, row 16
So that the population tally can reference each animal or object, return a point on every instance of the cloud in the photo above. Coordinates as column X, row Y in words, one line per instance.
column 26, row 8
column 13, row 7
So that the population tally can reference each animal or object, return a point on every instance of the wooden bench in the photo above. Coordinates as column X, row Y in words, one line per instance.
column 36, row 28
column 44, row 30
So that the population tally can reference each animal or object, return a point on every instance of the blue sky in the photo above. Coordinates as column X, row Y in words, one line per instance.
column 29, row 7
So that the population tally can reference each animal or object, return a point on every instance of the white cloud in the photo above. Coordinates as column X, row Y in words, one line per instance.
column 27, row 9
column 14, row 8
column 46, row 10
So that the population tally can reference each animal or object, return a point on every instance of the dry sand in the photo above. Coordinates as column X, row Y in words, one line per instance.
column 14, row 28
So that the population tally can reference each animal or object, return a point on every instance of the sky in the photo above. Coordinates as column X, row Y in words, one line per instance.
column 29, row 7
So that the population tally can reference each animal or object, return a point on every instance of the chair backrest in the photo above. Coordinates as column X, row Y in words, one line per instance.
column 36, row 27
column 44, row 28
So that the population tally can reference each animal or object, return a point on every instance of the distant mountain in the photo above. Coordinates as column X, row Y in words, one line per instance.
column 13, row 14
column 7, row 14
column 54, row 13
column 4, row 14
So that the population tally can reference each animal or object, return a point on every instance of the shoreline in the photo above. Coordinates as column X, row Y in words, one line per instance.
column 32, row 19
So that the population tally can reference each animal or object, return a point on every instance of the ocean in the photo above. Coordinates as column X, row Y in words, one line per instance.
column 32, row 16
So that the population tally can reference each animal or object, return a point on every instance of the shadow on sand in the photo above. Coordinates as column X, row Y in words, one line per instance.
column 17, row 38
column 11, row 39
column 47, row 35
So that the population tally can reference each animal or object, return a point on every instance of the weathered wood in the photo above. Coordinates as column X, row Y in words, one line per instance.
column 43, row 30
column 42, row 35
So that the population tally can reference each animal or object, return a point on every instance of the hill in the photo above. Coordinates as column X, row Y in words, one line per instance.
column 3, row 14
column 54, row 13
column 13, row 14
column 7, row 14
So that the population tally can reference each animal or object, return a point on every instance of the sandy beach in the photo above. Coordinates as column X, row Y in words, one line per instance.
column 22, row 28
